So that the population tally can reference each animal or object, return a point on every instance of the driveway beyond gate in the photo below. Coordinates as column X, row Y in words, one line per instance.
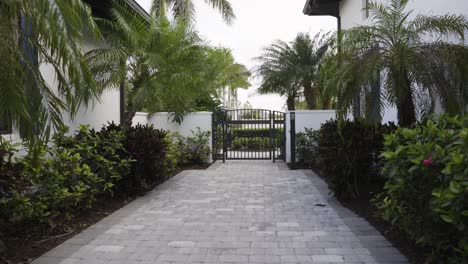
column 238, row 212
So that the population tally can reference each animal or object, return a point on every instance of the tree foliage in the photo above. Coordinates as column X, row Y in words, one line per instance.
column 292, row 69
column 165, row 64
column 410, row 58
column 38, row 35
column 185, row 9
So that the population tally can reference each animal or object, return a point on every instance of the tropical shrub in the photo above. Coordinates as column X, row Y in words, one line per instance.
column 250, row 132
column 426, row 196
column 251, row 143
column 307, row 147
column 10, row 172
column 60, row 180
column 53, row 183
column 171, row 162
column 349, row 155
column 103, row 152
column 147, row 146
column 194, row 149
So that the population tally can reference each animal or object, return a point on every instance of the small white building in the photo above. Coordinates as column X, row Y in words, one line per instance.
column 109, row 107
column 351, row 13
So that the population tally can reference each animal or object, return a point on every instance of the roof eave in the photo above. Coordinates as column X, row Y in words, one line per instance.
column 101, row 8
column 137, row 7
column 322, row 8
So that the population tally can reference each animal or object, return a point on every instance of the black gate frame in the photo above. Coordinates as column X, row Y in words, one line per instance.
column 238, row 133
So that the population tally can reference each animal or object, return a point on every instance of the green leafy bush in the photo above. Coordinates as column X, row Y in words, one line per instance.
column 250, row 132
column 172, row 159
column 103, row 152
column 55, row 183
column 194, row 149
column 10, row 172
column 147, row 146
column 307, row 147
column 426, row 196
column 349, row 155
column 60, row 180
column 251, row 143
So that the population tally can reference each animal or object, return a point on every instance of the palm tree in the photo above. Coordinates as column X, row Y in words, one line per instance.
column 164, row 64
column 185, row 9
column 397, row 59
column 288, row 68
column 47, row 35
column 158, row 60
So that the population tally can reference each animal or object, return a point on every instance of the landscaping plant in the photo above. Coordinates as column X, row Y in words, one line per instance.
column 307, row 147
column 52, row 184
column 194, row 149
column 103, row 152
column 426, row 196
column 251, row 143
column 349, row 155
column 147, row 146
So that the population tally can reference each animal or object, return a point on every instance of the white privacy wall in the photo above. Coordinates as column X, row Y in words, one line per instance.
column 140, row 118
column 306, row 119
column 192, row 121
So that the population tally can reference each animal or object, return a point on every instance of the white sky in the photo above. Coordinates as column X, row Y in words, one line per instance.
column 258, row 24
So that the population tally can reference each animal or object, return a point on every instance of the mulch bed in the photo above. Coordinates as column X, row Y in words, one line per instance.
column 25, row 242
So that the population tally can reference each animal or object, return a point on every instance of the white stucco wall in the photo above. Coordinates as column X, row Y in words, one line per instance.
column 203, row 120
column 140, row 118
column 101, row 111
column 306, row 119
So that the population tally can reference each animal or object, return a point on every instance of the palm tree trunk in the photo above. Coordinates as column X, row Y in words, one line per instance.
column 309, row 95
column 291, row 102
column 357, row 106
column 326, row 103
column 162, row 9
column 405, row 104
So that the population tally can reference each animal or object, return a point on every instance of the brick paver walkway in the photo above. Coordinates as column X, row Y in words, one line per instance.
column 238, row 212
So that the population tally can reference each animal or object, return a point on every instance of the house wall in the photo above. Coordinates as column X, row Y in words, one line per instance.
column 100, row 111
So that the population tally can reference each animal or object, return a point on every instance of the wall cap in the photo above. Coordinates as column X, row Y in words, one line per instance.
column 311, row 111
column 193, row 113
column 141, row 114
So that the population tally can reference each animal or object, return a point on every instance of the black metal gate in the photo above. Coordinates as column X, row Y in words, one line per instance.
column 249, row 134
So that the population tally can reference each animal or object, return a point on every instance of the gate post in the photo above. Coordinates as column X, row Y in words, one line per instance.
column 293, row 140
column 274, row 137
column 224, row 136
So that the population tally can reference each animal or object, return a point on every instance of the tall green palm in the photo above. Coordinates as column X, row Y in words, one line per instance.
column 288, row 68
column 47, row 36
column 158, row 60
column 165, row 65
column 227, row 75
column 185, row 9
column 407, row 57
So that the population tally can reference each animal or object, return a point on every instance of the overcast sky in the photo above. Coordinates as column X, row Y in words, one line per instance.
column 258, row 24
